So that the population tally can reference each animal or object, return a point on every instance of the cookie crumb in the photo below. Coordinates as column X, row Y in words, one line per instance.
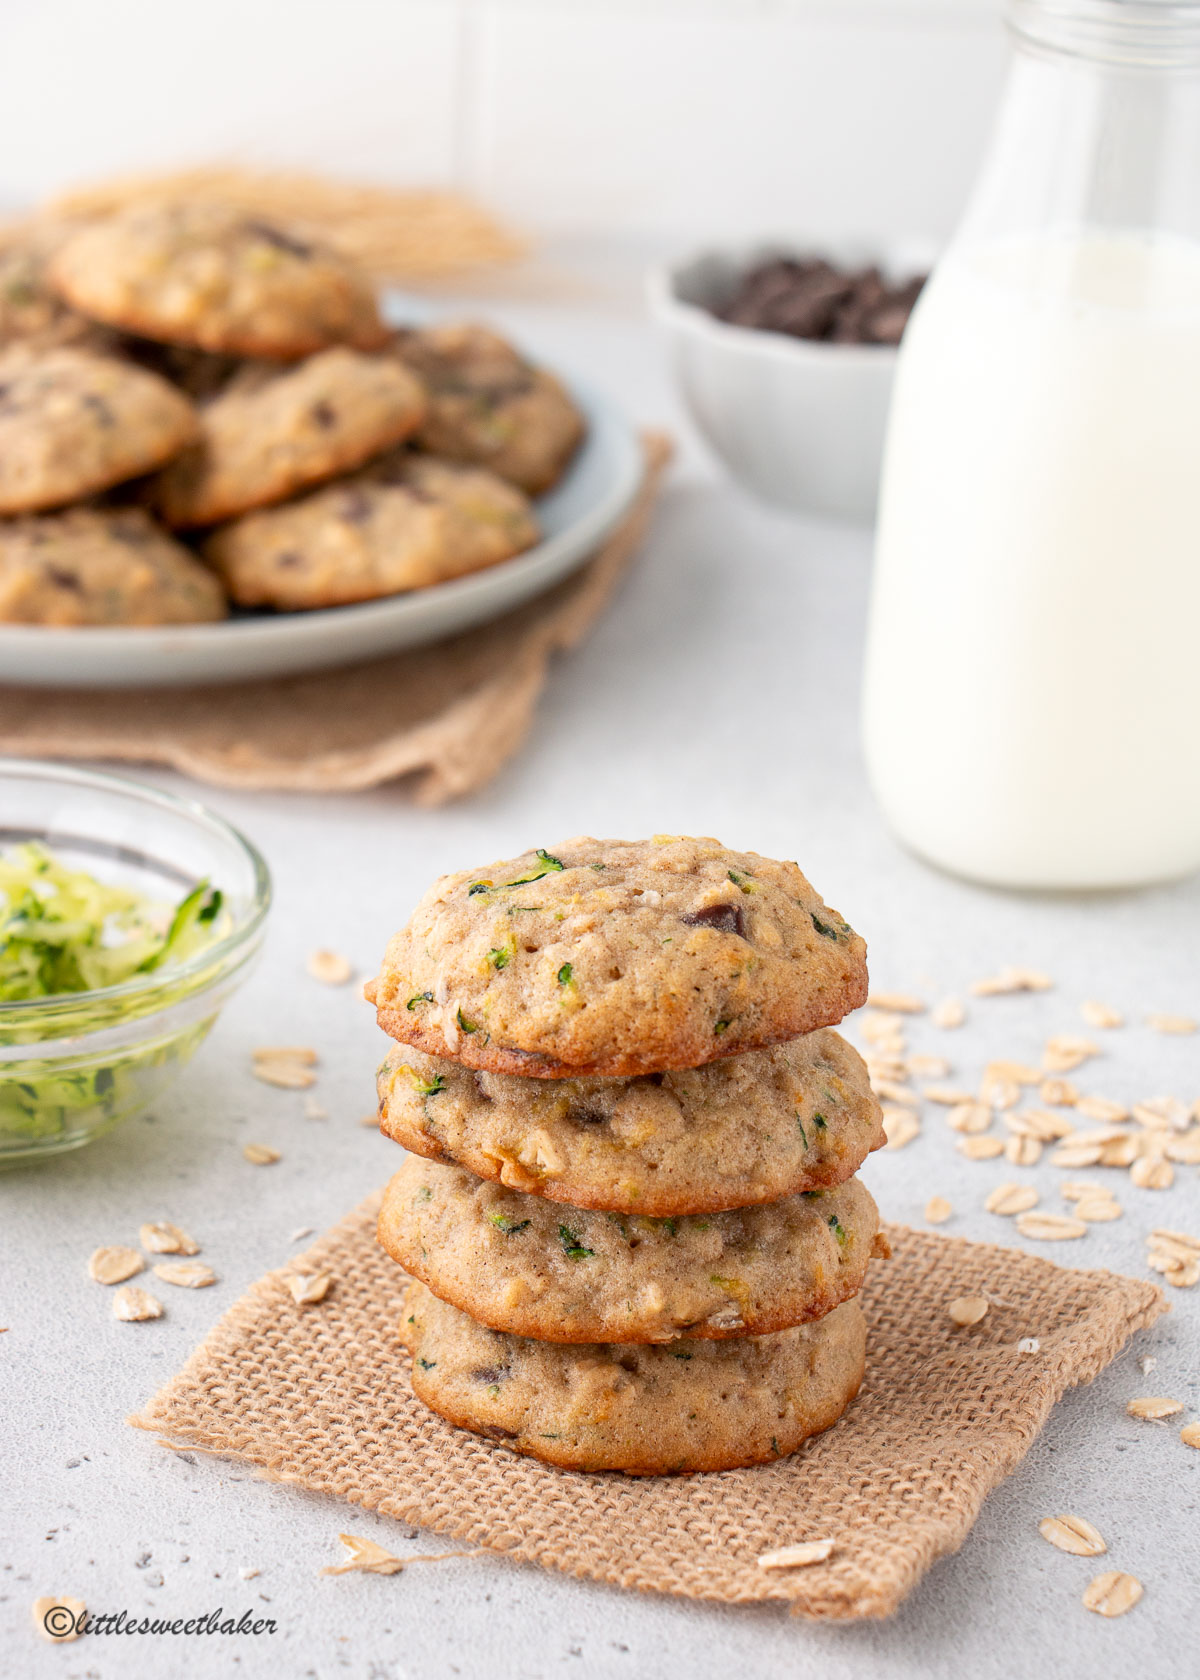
column 800, row 1556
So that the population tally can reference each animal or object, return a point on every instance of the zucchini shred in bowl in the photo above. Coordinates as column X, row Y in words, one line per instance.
column 74, row 1064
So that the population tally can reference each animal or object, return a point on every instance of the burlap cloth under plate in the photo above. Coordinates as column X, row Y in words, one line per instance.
column 319, row 1395
column 451, row 713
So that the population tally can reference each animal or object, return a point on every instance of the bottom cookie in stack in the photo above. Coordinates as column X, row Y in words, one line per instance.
column 671, row 1408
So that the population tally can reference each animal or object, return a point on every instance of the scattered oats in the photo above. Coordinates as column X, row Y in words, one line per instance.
column 1050, row 1227
column 1150, row 1173
column 949, row 1096
column 188, row 1274
column 1184, row 1277
column 1184, row 1149
column 1192, row 1244
column 886, row 1067
column 1067, row 1051
column 299, row 1236
column 968, row 1309
column 1162, row 1114
column 1178, row 1024
column 260, row 1154
column 1154, row 1407
column 132, row 1304
column 1102, row 1108
column 1119, row 1152
column 937, row 1210
column 1011, row 980
column 949, row 1013
column 1190, row 1434
column 1100, row 1015
column 1000, row 1093
column 900, row 1126
column 329, row 968
column 797, row 1557
column 891, row 1092
column 1011, row 1199
column 1081, row 1190
column 927, row 1067
column 875, row 1024
column 980, row 1148
column 114, row 1265
column 1029, row 1344
column 1022, row 1151
column 1096, row 1210
column 288, row 1071
column 286, row 1053
column 1059, row 1093
column 366, row 1557
column 1072, row 1534
column 307, row 1290
column 166, row 1239
column 969, row 1117
column 59, row 1619
column 1112, row 1593
column 1076, row 1154
column 247, row 1574
column 891, row 1044
column 896, row 1003
column 1147, row 1363
column 371, row 1119
column 1039, row 1123
column 1019, row 1073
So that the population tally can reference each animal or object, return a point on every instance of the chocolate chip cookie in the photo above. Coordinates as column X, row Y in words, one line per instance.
column 560, row 1274
column 101, row 566
column 489, row 406
column 271, row 431
column 216, row 277
column 647, row 1411
column 746, row 1129
column 408, row 523
column 73, row 423
column 617, row 957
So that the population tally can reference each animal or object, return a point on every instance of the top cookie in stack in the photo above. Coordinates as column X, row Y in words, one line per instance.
column 639, row 1245
column 255, row 430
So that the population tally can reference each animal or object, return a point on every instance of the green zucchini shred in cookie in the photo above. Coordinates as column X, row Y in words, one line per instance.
column 550, row 866
column 572, row 1246
column 506, row 1224
column 420, row 997
column 465, row 1025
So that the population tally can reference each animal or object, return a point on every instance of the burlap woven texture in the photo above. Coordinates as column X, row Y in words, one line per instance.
column 319, row 1395
column 451, row 714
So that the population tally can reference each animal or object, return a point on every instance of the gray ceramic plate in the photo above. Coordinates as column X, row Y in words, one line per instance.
column 575, row 517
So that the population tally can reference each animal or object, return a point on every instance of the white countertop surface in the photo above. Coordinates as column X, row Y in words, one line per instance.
column 719, row 696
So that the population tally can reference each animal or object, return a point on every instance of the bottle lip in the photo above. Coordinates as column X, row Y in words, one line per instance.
column 1135, row 34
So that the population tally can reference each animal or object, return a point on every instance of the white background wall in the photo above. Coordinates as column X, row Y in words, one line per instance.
column 650, row 118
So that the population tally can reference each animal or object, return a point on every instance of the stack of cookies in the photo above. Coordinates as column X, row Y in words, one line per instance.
column 199, row 408
column 630, row 1210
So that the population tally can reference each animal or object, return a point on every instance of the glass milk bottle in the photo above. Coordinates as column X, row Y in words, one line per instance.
column 1032, row 696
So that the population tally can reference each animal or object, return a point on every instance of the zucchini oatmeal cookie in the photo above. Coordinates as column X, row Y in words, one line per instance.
column 274, row 430
column 534, row 1268
column 747, row 1129
column 491, row 407
column 73, row 423
column 404, row 523
column 101, row 566
column 647, row 1411
column 617, row 957
column 216, row 277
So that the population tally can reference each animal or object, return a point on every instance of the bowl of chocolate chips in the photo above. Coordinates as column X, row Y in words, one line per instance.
column 786, row 362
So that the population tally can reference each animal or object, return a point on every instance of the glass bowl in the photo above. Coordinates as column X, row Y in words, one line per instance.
column 74, row 1065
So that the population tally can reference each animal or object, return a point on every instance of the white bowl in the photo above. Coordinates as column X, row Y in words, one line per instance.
column 797, row 422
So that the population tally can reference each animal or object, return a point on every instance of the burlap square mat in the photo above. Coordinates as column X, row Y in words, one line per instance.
column 319, row 1395
column 450, row 714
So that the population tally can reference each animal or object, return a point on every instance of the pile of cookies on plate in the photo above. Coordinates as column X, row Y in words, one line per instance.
column 198, row 407
column 630, row 1210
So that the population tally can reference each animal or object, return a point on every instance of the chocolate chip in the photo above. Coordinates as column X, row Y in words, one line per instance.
column 324, row 414
column 586, row 1116
column 355, row 507
column 810, row 298
column 490, row 1374
column 63, row 579
column 271, row 235
column 99, row 408
column 726, row 918
column 289, row 557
